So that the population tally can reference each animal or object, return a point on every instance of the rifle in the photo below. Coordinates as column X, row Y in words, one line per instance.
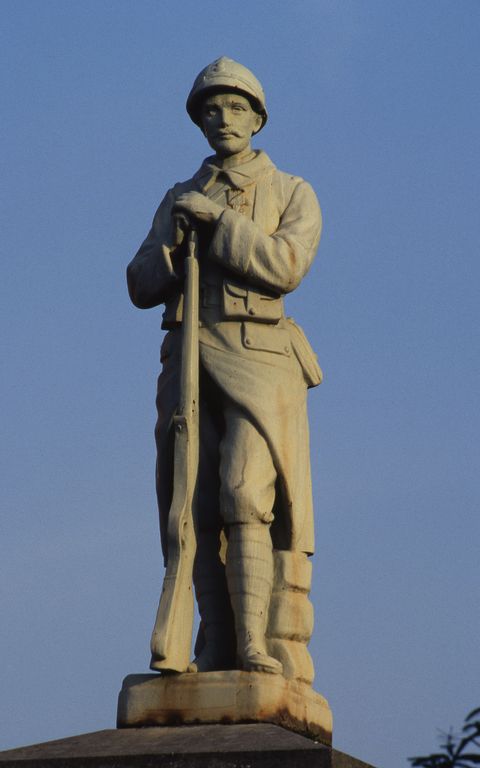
column 172, row 634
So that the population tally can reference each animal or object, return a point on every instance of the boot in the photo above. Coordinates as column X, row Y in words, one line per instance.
column 249, row 571
column 215, row 644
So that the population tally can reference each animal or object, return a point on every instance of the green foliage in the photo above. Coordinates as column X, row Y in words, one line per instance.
column 456, row 749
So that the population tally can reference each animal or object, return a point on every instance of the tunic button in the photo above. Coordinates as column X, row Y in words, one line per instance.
column 251, row 311
column 287, row 350
column 247, row 341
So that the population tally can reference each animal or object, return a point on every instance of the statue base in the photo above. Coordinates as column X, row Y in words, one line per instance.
column 195, row 746
column 223, row 697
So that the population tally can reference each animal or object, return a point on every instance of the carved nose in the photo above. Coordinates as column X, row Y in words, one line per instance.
column 224, row 117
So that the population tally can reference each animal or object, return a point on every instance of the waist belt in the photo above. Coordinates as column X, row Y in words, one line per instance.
column 228, row 301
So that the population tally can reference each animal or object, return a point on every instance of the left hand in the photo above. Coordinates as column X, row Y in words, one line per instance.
column 198, row 208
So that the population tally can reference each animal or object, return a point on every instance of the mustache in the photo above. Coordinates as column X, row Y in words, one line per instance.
column 228, row 133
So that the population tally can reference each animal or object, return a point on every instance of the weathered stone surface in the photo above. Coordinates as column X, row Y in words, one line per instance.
column 232, row 428
column 290, row 622
column 295, row 658
column 291, row 616
column 203, row 746
column 293, row 570
column 224, row 697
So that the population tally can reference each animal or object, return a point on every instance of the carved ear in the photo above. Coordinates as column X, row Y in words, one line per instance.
column 258, row 123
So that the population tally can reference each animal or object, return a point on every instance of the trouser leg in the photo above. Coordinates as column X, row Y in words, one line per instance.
column 247, row 496
column 250, row 577
column 215, row 646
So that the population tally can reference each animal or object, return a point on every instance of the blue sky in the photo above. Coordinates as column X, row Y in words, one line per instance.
column 376, row 103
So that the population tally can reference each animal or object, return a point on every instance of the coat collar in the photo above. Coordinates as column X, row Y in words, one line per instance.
column 239, row 177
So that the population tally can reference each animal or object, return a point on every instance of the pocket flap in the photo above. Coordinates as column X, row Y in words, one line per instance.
column 266, row 338
column 235, row 290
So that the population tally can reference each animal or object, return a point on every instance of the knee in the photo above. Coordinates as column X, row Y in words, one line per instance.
column 243, row 504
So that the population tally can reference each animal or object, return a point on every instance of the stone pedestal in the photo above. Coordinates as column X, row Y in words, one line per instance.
column 202, row 746
column 224, row 697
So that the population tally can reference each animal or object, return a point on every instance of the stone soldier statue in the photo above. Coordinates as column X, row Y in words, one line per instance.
column 258, row 231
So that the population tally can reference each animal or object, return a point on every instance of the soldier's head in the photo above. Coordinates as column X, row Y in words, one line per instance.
column 227, row 102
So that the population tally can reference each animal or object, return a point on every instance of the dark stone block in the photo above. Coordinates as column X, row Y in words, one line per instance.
column 202, row 746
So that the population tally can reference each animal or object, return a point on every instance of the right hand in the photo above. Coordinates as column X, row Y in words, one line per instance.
column 198, row 208
column 181, row 227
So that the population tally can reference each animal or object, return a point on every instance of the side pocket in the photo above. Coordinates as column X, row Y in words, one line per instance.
column 306, row 356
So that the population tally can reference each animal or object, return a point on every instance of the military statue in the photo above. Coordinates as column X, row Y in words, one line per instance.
column 231, row 359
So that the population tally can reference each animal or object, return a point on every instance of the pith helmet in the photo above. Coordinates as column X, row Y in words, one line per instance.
column 229, row 74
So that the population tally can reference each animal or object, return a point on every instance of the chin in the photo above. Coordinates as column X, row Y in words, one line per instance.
column 226, row 148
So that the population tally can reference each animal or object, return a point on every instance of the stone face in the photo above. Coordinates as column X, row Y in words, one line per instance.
column 226, row 697
column 202, row 746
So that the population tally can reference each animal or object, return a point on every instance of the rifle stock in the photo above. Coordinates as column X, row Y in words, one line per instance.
column 172, row 633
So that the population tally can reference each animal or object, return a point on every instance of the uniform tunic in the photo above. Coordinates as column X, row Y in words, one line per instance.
column 255, row 364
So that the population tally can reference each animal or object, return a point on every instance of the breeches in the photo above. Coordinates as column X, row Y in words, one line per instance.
column 236, row 481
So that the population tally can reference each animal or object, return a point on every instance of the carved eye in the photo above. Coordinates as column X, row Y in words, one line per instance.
column 209, row 111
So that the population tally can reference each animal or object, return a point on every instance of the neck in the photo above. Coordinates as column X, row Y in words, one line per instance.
column 232, row 160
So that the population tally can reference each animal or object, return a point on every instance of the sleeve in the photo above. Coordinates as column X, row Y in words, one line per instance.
column 151, row 275
column 279, row 261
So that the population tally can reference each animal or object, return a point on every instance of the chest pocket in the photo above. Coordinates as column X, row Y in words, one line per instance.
column 242, row 303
